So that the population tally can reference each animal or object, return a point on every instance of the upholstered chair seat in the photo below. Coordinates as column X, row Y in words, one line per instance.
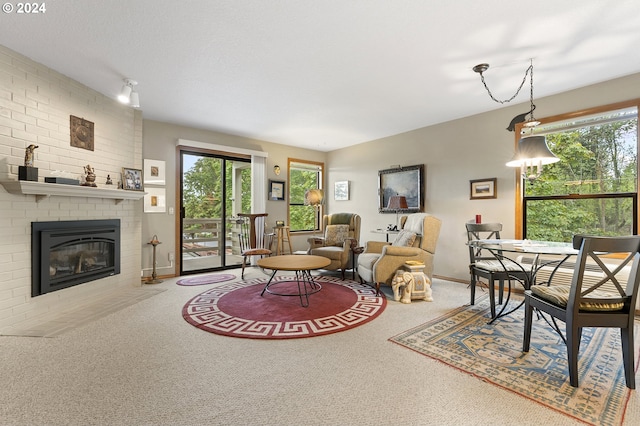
column 341, row 233
column 416, row 241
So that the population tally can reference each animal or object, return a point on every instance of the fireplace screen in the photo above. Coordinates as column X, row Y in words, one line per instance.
column 69, row 253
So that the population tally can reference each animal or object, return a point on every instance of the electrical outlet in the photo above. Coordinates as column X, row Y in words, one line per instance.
column 171, row 257
column 142, row 273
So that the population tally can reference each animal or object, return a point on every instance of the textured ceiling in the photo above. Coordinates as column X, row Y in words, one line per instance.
column 326, row 74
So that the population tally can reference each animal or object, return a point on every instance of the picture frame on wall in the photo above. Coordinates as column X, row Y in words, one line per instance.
column 132, row 179
column 155, row 200
column 341, row 191
column 154, row 172
column 276, row 190
column 407, row 181
column 481, row 189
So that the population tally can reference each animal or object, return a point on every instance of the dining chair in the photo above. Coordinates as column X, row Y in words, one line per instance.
column 252, row 237
column 603, row 301
column 483, row 264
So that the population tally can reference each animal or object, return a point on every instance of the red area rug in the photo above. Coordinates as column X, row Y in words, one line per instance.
column 206, row 279
column 237, row 309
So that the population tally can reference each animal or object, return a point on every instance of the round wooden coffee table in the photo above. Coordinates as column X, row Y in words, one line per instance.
column 301, row 264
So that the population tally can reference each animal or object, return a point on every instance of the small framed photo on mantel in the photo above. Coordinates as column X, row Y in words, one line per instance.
column 483, row 189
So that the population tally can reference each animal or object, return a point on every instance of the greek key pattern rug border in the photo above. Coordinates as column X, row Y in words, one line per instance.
column 203, row 312
column 462, row 339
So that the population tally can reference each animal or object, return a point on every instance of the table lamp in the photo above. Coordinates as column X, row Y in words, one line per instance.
column 397, row 203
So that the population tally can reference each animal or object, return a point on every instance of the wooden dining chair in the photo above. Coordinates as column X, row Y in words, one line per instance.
column 253, row 239
column 593, row 299
column 483, row 264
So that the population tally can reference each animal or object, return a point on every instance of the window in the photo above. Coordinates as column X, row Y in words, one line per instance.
column 303, row 176
column 593, row 189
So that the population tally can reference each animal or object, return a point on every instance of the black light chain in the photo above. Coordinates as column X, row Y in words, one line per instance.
column 530, row 69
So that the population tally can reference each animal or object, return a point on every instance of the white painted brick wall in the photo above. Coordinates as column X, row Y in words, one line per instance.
column 35, row 107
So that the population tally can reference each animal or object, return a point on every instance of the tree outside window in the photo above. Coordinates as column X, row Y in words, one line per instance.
column 303, row 176
column 593, row 189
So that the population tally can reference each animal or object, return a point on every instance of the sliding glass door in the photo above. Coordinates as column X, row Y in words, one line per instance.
column 214, row 188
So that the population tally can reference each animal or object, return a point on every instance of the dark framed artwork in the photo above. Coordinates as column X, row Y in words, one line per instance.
column 483, row 188
column 81, row 131
column 132, row 179
column 276, row 190
column 407, row 181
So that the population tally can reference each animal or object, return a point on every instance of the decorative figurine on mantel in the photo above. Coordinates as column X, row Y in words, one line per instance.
column 28, row 172
column 109, row 181
column 90, row 178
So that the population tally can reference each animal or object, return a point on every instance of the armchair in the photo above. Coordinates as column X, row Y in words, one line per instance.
column 341, row 232
column 380, row 260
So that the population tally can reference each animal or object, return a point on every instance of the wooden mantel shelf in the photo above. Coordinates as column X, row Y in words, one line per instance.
column 44, row 190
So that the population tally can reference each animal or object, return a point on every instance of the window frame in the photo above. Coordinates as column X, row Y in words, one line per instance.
column 320, row 212
column 520, row 210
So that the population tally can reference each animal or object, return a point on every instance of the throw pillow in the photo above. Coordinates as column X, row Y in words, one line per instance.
column 335, row 235
column 405, row 238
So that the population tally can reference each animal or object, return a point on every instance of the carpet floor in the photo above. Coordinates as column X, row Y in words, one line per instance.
column 493, row 353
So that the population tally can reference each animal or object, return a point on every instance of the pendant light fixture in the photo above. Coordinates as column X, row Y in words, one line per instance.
column 532, row 151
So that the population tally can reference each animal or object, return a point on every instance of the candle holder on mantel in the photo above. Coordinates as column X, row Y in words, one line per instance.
column 154, row 277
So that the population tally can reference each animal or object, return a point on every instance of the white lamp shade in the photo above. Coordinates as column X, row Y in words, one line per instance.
column 313, row 197
column 125, row 94
column 134, row 99
column 532, row 150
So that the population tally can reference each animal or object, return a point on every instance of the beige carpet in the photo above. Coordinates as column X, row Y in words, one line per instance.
column 145, row 365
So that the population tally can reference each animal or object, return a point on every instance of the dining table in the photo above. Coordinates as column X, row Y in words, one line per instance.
column 531, row 256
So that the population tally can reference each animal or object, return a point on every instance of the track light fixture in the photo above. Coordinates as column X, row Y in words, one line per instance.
column 128, row 94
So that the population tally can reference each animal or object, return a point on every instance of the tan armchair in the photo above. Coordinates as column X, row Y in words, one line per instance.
column 380, row 260
column 341, row 232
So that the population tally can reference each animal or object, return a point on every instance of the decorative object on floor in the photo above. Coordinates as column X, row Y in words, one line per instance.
column 206, row 279
column 237, row 309
column 410, row 283
column 81, row 133
column 463, row 339
column 154, row 276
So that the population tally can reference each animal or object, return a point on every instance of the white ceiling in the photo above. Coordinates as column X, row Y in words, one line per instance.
column 326, row 74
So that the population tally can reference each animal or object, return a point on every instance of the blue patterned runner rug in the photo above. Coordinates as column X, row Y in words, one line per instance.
column 463, row 339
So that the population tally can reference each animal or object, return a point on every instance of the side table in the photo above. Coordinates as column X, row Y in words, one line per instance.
column 419, row 286
column 282, row 235
column 355, row 251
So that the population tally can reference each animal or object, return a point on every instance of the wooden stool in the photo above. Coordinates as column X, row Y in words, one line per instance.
column 282, row 235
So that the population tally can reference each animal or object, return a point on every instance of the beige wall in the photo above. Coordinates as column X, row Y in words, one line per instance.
column 160, row 144
column 35, row 105
column 453, row 153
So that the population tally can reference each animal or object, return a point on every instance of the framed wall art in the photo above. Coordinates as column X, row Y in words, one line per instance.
column 407, row 181
column 483, row 188
column 154, row 172
column 81, row 131
column 131, row 179
column 341, row 191
column 276, row 190
column 155, row 200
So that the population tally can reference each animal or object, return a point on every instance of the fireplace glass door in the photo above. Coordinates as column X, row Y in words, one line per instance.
column 214, row 189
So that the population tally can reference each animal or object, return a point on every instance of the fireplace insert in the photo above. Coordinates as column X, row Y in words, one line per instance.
column 68, row 253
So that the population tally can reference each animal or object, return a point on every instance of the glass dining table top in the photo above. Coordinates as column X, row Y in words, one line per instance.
column 526, row 246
